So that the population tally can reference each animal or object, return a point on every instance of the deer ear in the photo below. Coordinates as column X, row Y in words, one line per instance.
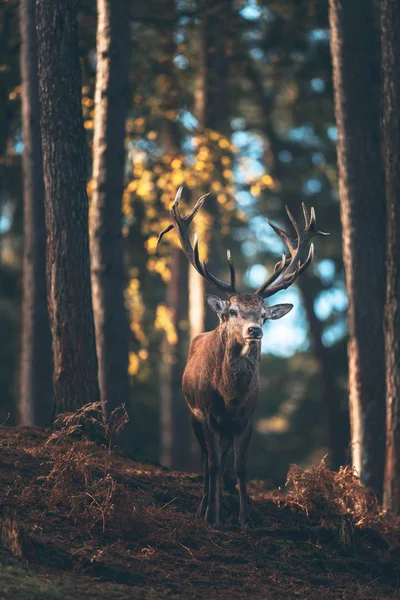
column 278, row 311
column 218, row 305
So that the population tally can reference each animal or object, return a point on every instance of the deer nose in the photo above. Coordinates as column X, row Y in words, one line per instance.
column 255, row 332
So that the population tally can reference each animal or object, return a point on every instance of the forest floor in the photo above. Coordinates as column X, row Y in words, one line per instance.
column 78, row 521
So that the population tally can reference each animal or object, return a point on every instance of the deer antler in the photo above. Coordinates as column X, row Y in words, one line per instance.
column 297, row 250
column 181, row 225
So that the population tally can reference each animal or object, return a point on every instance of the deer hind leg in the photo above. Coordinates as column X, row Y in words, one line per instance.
column 227, row 481
column 213, row 441
column 241, row 444
column 199, row 433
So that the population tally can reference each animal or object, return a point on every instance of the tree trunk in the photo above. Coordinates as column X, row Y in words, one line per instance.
column 337, row 433
column 66, row 206
column 211, row 109
column 111, row 103
column 36, row 388
column 175, row 425
column 175, row 437
column 390, row 22
column 356, row 76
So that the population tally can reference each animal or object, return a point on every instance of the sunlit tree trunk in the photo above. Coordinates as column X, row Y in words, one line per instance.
column 111, row 102
column 211, row 109
column 175, row 426
column 356, row 76
column 36, row 388
column 390, row 22
column 66, row 206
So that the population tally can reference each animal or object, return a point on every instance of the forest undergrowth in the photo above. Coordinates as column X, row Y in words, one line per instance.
column 79, row 519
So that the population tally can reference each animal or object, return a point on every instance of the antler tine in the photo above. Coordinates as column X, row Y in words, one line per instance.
column 277, row 271
column 308, row 259
column 293, row 221
column 306, row 216
column 232, row 269
column 285, row 238
column 298, row 249
column 181, row 225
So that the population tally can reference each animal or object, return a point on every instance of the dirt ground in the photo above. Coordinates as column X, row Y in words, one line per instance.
column 77, row 521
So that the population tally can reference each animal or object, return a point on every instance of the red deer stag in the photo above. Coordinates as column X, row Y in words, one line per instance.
column 221, row 378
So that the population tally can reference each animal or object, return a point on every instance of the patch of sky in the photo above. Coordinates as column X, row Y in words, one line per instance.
column 265, row 234
column 249, row 248
column 319, row 35
column 326, row 270
column 304, row 133
column 334, row 332
column 285, row 156
column 255, row 275
column 240, row 138
column 329, row 301
column 317, row 84
column 252, row 11
column 188, row 120
column 179, row 38
column 332, row 133
column 238, row 123
column 288, row 335
column 244, row 199
column 183, row 20
column 6, row 218
column 181, row 62
column 312, row 186
column 318, row 158
column 257, row 53
column 19, row 147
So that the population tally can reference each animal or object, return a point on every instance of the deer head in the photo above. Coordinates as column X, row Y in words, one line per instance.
column 246, row 313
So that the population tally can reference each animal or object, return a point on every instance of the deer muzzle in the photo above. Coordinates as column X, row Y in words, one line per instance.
column 254, row 332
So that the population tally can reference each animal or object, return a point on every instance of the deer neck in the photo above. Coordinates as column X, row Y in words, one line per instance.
column 239, row 365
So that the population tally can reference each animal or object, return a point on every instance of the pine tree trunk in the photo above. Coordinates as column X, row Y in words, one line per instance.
column 337, row 432
column 36, row 388
column 175, row 435
column 355, row 54
column 175, row 425
column 111, row 103
column 390, row 22
column 66, row 206
column 211, row 109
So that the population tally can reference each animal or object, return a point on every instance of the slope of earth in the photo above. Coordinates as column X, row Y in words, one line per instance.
column 79, row 521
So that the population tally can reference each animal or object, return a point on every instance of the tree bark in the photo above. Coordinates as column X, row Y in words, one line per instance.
column 66, row 206
column 337, row 432
column 111, row 103
column 390, row 25
column 175, row 425
column 36, row 388
column 211, row 109
column 175, row 435
column 356, row 76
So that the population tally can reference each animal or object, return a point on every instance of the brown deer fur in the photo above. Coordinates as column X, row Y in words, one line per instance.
column 221, row 379
column 221, row 387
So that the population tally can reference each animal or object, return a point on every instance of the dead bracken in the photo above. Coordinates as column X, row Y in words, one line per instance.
column 78, row 507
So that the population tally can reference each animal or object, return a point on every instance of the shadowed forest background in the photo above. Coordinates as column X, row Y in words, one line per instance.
column 231, row 98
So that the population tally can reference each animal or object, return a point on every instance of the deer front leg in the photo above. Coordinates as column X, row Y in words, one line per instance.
column 241, row 444
column 199, row 433
column 213, row 441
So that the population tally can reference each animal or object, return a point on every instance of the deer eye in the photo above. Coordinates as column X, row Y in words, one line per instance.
column 263, row 316
column 233, row 313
